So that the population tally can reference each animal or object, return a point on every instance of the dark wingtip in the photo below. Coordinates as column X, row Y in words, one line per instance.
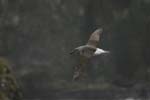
column 72, row 52
column 99, row 30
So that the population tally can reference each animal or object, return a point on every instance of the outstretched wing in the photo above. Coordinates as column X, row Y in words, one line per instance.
column 94, row 38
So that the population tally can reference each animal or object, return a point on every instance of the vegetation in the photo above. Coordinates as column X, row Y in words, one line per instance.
column 9, row 89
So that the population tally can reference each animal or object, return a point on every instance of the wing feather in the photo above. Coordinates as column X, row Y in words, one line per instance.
column 94, row 38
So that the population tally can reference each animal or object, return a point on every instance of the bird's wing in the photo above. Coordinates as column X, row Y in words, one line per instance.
column 80, row 69
column 94, row 38
column 77, row 50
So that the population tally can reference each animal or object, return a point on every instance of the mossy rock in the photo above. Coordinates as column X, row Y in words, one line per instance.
column 9, row 89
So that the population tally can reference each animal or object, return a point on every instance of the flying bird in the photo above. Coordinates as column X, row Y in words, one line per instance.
column 90, row 49
column 87, row 51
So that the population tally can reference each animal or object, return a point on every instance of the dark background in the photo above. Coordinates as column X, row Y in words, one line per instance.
column 36, row 36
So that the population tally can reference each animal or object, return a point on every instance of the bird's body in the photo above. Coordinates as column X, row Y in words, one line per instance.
column 85, row 50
